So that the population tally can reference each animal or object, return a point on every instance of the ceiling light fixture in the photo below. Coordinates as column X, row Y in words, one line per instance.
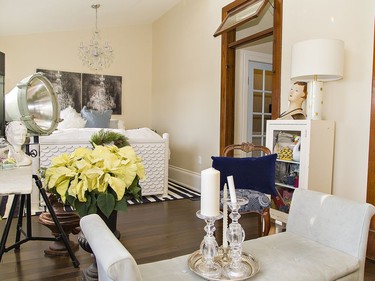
column 95, row 55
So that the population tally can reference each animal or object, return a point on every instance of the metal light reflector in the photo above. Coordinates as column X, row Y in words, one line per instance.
column 34, row 101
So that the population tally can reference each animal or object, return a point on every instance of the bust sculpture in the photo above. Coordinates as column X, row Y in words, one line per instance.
column 297, row 96
column 15, row 134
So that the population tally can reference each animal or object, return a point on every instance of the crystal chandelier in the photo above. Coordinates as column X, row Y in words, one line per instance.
column 95, row 55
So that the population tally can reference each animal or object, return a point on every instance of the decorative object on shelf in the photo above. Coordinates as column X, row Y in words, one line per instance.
column 95, row 55
column 315, row 61
column 289, row 180
column 297, row 150
column 7, row 164
column 297, row 96
column 283, row 146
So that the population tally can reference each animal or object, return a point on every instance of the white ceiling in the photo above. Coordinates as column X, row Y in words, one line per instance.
column 37, row 16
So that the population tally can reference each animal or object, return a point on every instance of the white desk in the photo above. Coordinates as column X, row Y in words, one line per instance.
column 16, row 181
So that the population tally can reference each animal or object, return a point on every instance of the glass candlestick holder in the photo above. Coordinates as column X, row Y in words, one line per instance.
column 209, row 248
column 236, row 268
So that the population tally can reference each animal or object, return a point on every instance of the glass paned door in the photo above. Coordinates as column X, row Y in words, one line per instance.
column 259, row 101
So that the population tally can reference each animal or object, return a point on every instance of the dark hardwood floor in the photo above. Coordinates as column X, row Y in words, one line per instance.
column 150, row 232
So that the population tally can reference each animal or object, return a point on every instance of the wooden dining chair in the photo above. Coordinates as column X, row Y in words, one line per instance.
column 254, row 178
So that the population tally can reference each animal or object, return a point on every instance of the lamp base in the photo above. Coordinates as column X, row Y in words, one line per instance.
column 314, row 102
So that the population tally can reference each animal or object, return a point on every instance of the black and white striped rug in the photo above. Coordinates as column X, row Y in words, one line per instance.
column 175, row 192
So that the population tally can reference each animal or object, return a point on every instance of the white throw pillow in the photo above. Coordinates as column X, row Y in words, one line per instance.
column 72, row 119
column 113, row 124
column 116, row 124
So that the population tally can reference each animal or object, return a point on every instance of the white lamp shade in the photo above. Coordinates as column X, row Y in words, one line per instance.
column 320, row 59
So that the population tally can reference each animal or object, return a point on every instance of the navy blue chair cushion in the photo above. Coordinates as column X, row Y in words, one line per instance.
column 256, row 173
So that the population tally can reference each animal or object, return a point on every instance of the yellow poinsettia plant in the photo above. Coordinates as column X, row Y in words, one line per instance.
column 103, row 177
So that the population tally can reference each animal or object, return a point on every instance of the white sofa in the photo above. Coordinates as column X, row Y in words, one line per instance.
column 325, row 239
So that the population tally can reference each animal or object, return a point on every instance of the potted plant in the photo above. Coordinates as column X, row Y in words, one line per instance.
column 97, row 180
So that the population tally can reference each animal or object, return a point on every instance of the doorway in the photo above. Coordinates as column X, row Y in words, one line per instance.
column 259, row 101
column 253, row 95
column 231, row 43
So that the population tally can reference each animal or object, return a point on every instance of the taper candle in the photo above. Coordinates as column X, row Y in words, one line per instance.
column 210, row 192
column 232, row 189
column 225, row 216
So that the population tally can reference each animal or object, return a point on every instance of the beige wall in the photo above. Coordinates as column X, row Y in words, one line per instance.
column 171, row 76
column 347, row 101
column 186, row 81
column 59, row 51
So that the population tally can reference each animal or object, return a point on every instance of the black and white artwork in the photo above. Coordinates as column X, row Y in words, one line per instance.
column 68, row 87
column 102, row 92
column 95, row 91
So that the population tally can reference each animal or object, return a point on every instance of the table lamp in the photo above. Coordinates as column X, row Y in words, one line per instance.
column 316, row 61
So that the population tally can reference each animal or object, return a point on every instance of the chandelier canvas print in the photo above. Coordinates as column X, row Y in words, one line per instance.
column 95, row 91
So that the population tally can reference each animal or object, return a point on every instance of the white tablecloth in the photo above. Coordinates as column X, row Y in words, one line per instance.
column 17, row 180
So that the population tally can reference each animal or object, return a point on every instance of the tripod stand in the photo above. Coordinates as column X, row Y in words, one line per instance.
column 16, row 178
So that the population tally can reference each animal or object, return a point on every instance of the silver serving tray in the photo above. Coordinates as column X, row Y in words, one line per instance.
column 196, row 258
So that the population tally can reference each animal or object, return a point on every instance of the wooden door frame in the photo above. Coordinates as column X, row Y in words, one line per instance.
column 371, row 159
column 228, row 58
column 371, row 163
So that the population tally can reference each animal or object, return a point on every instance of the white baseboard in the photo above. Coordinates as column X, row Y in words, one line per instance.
column 185, row 177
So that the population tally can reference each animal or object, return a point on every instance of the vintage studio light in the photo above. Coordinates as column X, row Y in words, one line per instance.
column 34, row 102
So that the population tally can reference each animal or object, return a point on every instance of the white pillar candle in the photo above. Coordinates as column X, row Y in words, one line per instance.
column 232, row 189
column 210, row 192
column 225, row 216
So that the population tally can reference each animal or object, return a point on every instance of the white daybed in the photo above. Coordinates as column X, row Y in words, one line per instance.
column 151, row 147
